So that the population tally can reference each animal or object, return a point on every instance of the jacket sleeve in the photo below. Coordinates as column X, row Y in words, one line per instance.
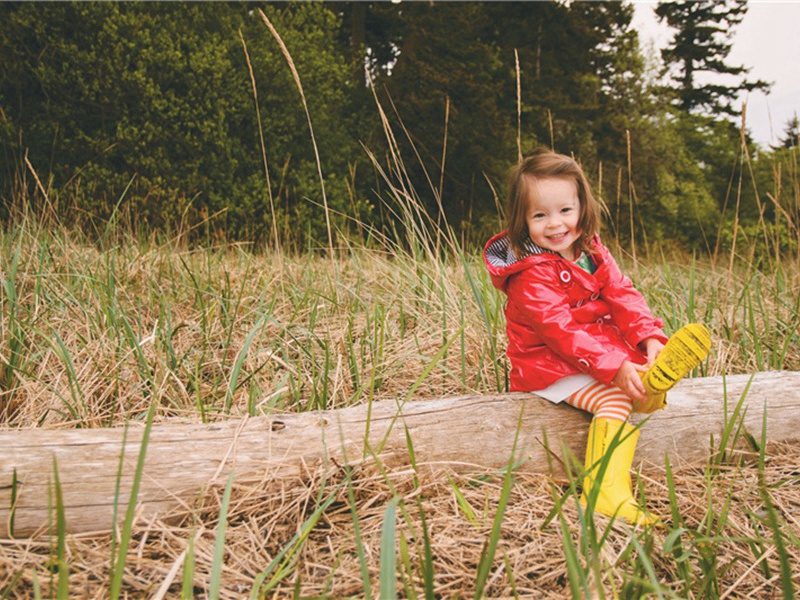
column 542, row 303
column 629, row 309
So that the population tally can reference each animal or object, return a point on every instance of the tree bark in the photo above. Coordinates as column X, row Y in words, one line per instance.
column 463, row 434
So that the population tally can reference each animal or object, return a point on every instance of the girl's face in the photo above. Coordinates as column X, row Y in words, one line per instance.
column 553, row 213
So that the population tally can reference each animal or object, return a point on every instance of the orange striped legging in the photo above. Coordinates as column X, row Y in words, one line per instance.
column 603, row 401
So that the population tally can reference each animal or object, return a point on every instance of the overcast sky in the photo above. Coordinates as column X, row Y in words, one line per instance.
column 768, row 41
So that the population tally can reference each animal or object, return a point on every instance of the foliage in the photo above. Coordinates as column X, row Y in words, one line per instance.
column 676, row 201
column 444, row 86
column 791, row 134
column 145, row 113
column 97, row 94
column 701, row 44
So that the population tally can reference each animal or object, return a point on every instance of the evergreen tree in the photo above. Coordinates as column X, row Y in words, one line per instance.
column 701, row 44
column 581, row 86
column 439, row 75
column 791, row 135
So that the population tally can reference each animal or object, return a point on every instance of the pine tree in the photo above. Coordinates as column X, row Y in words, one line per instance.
column 701, row 44
column 791, row 135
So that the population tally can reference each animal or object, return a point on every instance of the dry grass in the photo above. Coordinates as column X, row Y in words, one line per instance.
column 261, row 522
column 93, row 333
column 90, row 335
column 172, row 323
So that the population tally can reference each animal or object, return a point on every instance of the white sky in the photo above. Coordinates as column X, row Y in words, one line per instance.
column 768, row 41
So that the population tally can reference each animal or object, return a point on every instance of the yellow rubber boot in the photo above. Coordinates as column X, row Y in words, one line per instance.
column 652, row 401
column 684, row 351
column 609, row 457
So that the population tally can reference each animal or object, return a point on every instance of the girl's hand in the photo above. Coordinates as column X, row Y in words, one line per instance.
column 652, row 348
column 629, row 381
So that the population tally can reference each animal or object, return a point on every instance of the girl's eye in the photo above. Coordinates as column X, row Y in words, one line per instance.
column 566, row 209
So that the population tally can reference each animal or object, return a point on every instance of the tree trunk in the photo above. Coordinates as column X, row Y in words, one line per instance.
column 464, row 434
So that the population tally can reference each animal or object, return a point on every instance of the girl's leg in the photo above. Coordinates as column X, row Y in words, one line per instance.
column 603, row 401
column 609, row 454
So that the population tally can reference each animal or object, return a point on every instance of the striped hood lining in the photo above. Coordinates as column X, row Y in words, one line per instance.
column 499, row 253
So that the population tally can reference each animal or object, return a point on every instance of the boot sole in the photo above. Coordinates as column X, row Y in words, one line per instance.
column 686, row 349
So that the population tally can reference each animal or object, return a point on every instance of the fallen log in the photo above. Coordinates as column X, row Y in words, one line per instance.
column 463, row 434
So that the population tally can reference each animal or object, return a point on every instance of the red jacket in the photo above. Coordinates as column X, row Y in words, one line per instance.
column 562, row 320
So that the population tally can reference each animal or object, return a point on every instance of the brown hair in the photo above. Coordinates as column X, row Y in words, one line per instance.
column 544, row 164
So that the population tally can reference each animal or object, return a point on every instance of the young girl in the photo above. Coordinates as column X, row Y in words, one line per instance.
column 578, row 331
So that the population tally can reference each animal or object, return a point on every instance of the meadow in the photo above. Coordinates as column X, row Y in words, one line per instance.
column 105, row 329
column 117, row 325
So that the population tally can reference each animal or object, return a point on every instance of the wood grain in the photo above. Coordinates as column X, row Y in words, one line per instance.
column 463, row 434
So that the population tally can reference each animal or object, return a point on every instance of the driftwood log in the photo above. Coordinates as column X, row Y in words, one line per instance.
column 464, row 434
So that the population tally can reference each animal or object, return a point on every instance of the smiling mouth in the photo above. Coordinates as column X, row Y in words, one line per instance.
column 557, row 237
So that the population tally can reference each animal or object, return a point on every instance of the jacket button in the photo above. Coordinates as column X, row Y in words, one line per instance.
column 583, row 362
column 594, row 296
column 565, row 276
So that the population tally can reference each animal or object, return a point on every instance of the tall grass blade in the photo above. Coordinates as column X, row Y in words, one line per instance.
column 145, row 371
column 282, row 564
column 644, row 560
column 13, row 508
column 362, row 558
column 37, row 590
column 275, row 241
column 14, row 337
column 773, row 521
column 407, row 572
column 485, row 565
column 127, row 527
column 62, row 592
column 731, row 426
column 215, row 582
column 296, row 77
column 575, row 573
column 480, row 299
column 240, row 358
column 418, row 382
column 464, row 505
column 11, row 586
column 117, row 486
column 511, row 579
column 112, row 220
column 426, row 565
column 672, row 543
column 76, row 393
column 388, row 562
column 187, row 584
column 785, row 560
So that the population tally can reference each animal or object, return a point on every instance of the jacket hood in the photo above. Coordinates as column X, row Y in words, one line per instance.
column 501, row 262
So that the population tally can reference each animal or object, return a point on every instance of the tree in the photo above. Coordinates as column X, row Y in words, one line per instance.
column 581, row 87
column 701, row 44
column 439, row 76
column 99, row 95
column 791, row 135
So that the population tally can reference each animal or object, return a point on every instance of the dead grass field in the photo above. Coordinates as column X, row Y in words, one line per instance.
column 530, row 559
column 92, row 334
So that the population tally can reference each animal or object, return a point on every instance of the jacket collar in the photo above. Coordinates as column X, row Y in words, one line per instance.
column 501, row 262
column 499, row 254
